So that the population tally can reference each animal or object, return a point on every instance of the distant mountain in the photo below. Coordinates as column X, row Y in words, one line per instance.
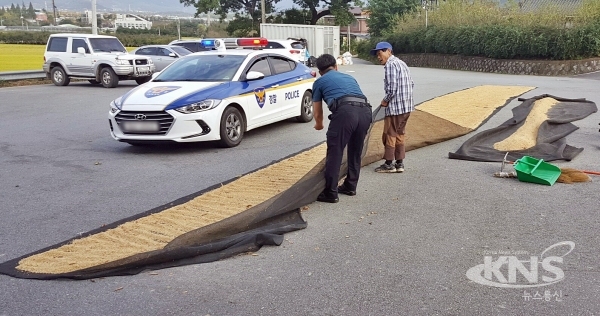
column 118, row 6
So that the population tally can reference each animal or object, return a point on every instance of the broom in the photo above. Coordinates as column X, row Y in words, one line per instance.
column 570, row 175
column 567, row 175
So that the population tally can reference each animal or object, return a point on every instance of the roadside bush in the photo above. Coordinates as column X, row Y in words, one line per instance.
column 500, row 41
column 21, row 37
column 136, row 40
column 364, row 47
column 484, row 28
column 41, row 38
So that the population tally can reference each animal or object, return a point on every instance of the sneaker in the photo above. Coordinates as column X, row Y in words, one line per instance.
column 385, row 168
column 400, row 167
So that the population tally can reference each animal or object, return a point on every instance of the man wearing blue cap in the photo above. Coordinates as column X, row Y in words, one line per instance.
column 398, row 103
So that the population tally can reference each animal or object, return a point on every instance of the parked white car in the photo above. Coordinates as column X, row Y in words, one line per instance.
column 292, row 48
column 98, row 58
column 162, row 55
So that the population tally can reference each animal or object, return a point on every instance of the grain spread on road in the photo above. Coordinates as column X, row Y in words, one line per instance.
column 453, row 115
column 155, row 231
column 470, row 107
column 526, row 135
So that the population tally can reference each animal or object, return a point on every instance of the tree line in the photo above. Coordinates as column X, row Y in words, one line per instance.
column 19, row 10
column 309, row 12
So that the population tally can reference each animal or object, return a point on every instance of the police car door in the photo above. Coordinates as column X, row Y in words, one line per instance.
column 263, row 103
column 289, row 96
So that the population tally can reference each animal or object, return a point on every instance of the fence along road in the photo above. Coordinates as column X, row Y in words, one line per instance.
column 20, row 75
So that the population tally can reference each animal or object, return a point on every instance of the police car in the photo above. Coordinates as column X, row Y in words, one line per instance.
column 215, row 95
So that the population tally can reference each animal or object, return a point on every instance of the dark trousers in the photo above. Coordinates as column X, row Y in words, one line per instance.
column 348, row 127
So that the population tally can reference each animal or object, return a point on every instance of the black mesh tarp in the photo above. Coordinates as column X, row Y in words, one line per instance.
column 263, row 224
column 551, row 143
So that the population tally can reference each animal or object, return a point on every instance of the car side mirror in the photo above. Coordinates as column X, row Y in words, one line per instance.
column 254, row 75
column 81, row 50
column 172, row 55
column 155, row 74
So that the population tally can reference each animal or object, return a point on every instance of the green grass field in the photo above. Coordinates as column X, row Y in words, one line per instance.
column 17, row 57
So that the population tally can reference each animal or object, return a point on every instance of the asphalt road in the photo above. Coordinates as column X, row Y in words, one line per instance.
column 402, row 246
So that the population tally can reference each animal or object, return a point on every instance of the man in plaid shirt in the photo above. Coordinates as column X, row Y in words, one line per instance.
column 398, row 103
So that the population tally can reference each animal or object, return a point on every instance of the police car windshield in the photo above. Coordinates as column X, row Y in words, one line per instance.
column 202, row 68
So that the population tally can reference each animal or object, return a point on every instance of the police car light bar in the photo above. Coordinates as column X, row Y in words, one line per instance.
column 208, row 43
column 217, row 44
column 249, row 42
column 253, row 42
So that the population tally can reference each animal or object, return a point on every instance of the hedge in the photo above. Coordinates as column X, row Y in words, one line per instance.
column 497, row 41
column 128, row 40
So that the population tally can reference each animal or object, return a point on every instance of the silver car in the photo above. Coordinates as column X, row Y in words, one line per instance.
column 162, row 55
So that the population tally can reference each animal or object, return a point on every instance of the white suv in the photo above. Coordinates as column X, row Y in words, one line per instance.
column 98, row 58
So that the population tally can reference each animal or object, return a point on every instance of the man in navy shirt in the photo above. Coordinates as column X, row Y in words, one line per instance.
column 350, row 120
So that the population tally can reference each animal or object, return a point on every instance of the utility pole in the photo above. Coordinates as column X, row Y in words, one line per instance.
column 54, row 10
column 425, row 4
column 262, row 7
column 94, row 18
column 349, row 50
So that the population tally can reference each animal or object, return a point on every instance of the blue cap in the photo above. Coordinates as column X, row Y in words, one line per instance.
column 380, row 46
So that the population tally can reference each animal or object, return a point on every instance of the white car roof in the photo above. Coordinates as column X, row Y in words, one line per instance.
column 160, row 45
column 284, row 41
column 239, row 52
column 242, row 52
column 186, row 41
column 80, row 35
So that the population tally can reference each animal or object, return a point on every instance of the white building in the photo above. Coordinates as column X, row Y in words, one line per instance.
column 88, row 16
column 132, row 21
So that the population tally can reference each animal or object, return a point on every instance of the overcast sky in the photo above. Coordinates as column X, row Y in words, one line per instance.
column 285, row 4
column 124, row 4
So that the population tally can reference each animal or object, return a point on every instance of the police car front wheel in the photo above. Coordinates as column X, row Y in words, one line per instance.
column 306, row 108
column 232, row 127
